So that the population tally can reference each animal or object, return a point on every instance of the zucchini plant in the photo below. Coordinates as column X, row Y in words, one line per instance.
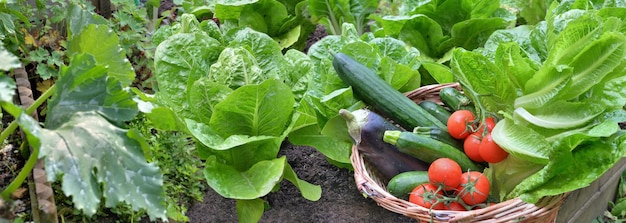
column 83, row 142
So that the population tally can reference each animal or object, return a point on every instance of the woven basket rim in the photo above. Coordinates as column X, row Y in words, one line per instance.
column 545, row 210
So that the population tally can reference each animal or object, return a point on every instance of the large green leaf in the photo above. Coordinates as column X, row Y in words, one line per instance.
column 330, row 13
column 594, row 62
column 78, row 18
column 570, row 175
column 515, row 63
column 85, row 86
column 9, row 61
column 252, row 183
column 301, row 71
column 521, row 141
column 266, row 51
column 254, row 110
column 97, row 161
column 204, row 95
column 472, row 33
column 179, row 61
column 103, row 44
column 329, row 145
column 236, row 67
column 485, row 83
column 7, row 88
column 250, row 210
column 309, row 191
column 212, row 140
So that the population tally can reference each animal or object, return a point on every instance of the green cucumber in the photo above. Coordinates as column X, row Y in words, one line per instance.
column 402, row 184
column 436, row 110
column 375, row 92
column 428, row 149
column 455, row 100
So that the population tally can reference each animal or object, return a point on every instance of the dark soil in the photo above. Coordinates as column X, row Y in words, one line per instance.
column 340, row 201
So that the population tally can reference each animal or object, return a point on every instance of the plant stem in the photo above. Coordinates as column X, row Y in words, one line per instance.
column 28, row 167
column 11, row 128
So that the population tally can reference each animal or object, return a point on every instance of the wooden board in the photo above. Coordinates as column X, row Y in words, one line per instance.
column 585, row 204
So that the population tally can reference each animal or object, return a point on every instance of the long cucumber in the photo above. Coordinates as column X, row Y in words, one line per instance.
column 374, row 91
column 427, row 149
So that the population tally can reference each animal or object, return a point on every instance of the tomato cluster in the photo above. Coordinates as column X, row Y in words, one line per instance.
column 449, row 188
column 478, row 144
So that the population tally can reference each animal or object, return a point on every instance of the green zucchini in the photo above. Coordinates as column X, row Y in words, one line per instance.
column 436, row 110
column 375, row 92
column 402, row 184
column 455, row 100
column 427, row 149
column 438, row 134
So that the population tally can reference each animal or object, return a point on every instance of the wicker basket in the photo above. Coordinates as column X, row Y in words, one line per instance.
column 514, row 210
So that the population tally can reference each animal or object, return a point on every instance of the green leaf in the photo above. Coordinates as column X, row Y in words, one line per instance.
column 522, row 142
column 7, row 24
column 594, row 62
column 252, row 183
column 9, row 61
column 164, row 119
column 591, row 161
column 309, row 191
column 204, row 95
column 85, row 86
column 230, row 9
column 212, row 140
column 441, row 73
column 254, row 110
column 301, row 71
column 250, row 211
column 484, row 82
column 329, row 145
column 78, row 18
column 266, row 51
column 418, row 30
column 104, row 45
column 179, row 61
column 236, row 67
column 97, row 160
column 533, row 12
column 473, row 33
column 561, row 114
column 331, row 13
column 7, row 88
column 517, row 65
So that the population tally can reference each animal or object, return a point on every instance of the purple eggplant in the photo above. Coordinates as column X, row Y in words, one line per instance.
column 366, row 129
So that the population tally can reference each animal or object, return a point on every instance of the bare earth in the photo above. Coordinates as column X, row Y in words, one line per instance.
column 340, row 201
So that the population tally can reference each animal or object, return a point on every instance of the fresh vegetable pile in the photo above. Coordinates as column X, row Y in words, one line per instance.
column 439, row 164
column 539, row 114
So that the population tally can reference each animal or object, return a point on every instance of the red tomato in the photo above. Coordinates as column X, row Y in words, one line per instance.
column 445, row 172
column 456, row 206
column 471, row 146
column 459, row 124
column 489, row 123
column 474, row 188
column 490, row 151
column 427, row 195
